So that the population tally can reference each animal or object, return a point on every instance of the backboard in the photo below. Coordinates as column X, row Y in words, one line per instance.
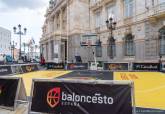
column 88, row 39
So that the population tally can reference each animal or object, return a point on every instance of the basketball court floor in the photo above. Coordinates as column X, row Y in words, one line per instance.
column 149, row 86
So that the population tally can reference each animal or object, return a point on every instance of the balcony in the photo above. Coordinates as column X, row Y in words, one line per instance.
column 106, row 1
column 157, row 11
column 95, row 4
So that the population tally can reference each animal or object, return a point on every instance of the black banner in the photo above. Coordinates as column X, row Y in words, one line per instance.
column 81, row 98
column 5, row 70
column 116, row 66
column 146, row 66
column 52, row 65
column 16, row 69
column 77, row 66
column 29, row 68
column 8, row 91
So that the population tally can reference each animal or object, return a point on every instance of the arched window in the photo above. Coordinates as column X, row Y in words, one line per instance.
column 129, row 45
column 162, row 40
column 112, row 48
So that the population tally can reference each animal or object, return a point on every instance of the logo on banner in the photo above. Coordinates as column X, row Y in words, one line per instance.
column 53, row 97
column 56, row 95
column 115, row 67
column 74, row 66
column 29, row 68
column 3, row 70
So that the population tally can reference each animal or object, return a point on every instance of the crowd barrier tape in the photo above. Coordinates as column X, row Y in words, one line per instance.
column 77, row 66
column 12, row 90
column 71, row 96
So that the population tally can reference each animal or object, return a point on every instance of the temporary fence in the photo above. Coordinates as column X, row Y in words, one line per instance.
column 71, row 96
column 17, row 69
column 110, row 66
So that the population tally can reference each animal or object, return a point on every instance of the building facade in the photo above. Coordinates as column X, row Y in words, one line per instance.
column 65, row 21
column 5, row 39
column 139, row 35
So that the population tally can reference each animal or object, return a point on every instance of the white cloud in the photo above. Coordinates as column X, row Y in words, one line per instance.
column 32, row 19
column 29, row 4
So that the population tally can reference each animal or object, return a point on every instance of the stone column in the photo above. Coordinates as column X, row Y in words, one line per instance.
column 61, row 13
column 46, row 51
column 49, row 51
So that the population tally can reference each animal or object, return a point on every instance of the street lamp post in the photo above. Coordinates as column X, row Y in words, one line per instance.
column 24, row 46
column 11, row 48
column 20, row 33
column 111, row 25
column 13, row 45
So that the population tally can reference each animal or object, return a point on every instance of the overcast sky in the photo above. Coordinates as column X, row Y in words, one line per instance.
column 28, row 13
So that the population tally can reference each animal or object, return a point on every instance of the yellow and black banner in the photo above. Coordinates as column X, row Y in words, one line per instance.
column 116, row 66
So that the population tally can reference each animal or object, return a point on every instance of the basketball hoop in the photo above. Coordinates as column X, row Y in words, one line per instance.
column 89, row 43
column 88, row 40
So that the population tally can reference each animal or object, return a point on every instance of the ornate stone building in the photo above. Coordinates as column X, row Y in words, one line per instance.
column 139, row 35
column 65, row 21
